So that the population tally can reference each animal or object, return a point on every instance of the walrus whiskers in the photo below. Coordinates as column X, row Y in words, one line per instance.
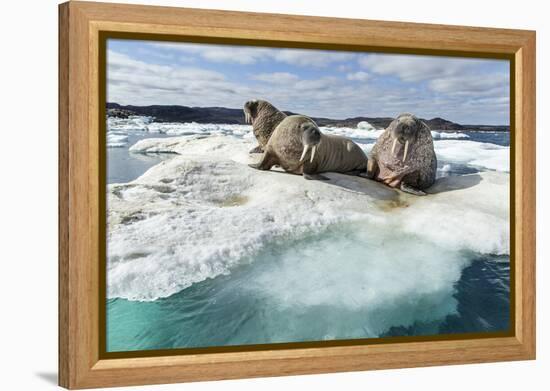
column 393, row 147
column 406, row 149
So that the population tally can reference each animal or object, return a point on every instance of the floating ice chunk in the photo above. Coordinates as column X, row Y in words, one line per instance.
column 147, row 124
column 130, row 124
column 367, row 133
column 365, row 126
column 449, row 136
column 483, row 155
column 203, row 213
column 193, row 128
column 116, row 139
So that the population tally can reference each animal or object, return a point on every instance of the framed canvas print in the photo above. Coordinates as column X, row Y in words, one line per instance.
column 248, row 195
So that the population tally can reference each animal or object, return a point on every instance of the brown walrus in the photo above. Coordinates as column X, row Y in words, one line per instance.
column 403, row 156
column 299, row 147
column 264, row 118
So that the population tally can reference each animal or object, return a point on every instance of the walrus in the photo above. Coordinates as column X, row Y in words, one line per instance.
column 264, row 118
column 403, row 156
column 299, row 147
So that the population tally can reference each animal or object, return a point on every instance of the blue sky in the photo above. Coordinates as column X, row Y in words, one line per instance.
column 318, row 83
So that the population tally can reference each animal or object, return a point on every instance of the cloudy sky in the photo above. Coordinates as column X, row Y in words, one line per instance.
column 318, row 83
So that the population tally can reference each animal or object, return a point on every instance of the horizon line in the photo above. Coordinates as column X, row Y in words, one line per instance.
column 329, row 118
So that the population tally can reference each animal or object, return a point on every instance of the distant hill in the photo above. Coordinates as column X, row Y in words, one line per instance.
column 222, row 115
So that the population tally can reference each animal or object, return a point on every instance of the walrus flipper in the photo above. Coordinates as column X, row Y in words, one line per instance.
column 316, row 176
column 256, row 149
column 266, row 163
column 411, row 190
column 361, row 173
column 372, row 169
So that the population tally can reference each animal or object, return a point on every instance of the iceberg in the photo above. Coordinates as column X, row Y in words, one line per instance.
column 147, row 124
column 364, row 130
column 116, row 139
column 132, row 123
column 448, row 135
column 482, row 155
column 365, row 125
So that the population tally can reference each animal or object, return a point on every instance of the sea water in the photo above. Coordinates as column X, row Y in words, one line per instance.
column 337, row 279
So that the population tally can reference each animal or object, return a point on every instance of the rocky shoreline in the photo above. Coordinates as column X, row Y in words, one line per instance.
column 222, row 115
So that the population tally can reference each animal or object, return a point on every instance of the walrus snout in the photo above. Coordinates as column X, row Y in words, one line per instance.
column 249, row 110
column 404, row 132
column 311, row 134
column 311, row 137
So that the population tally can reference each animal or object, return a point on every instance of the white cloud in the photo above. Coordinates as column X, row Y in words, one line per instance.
column 217, row 53
column 412, row 68
column 457, row 92
column 344, row 68
column 358, row 76
column 251, row 55
column 496, row 84
column 458, row 83
column 236, row 55
column 276, row 77
column 131, row 81
column 313, row 58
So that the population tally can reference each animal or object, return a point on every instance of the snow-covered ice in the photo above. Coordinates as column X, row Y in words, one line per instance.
column 205, row 212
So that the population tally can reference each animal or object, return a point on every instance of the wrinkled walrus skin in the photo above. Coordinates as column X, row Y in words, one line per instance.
column 289, row 149
column 404, row 156
column 264, row 118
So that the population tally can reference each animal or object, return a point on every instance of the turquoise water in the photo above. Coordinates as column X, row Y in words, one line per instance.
column 343, row 285
column 124, row 166
column 348, row 282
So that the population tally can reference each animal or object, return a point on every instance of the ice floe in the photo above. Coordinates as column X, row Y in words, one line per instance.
column 116, row 139
column 474, row 153
column 147, row 124
column 448, row 135
column 204, row 212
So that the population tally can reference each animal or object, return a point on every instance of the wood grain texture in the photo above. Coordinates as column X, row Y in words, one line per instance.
column 80, row 189
column 525, row 206
column 63, row 178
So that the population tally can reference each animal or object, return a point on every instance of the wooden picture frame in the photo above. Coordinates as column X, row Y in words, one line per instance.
column 82, row 29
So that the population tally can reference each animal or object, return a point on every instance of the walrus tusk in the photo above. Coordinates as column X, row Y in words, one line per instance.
column 406, row 149
column 306, row 148
column 313, row 153
column 247, row 118
column 393, row 147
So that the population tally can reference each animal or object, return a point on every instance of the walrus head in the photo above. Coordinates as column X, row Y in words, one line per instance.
column 404, row 130
column 311, row 137
column 250, row 110
column 253, row 107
